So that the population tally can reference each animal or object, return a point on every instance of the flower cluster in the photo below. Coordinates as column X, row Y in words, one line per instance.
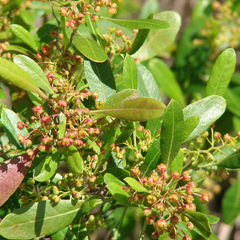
column 169, row 198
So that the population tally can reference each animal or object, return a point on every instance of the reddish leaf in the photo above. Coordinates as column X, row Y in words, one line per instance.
column 11, row 175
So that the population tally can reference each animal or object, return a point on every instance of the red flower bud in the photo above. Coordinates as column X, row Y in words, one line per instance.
column 21, row 125
column 62, row 103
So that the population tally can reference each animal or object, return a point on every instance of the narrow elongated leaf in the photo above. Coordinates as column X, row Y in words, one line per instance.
column 90, row 49
column 22, row 34
column 139, row 23
column 208, row 110
column 11, row 175
column 33, row 69
column 135, row 185
column 231, row 203
column 74, row 160
column 9, row 120
column 130, row 73
column 13, row 74
column 131, row 107
column 201, row 222
column 47, row 167
column 222, row 72
column 38, row 219
column 152, row 158
column 166, row 80
column 160, row 39
column 172, row 132
column 147, row 85
column 100, row 79
column 232, row 161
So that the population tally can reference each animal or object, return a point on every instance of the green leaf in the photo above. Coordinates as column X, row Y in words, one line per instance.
column 130, row 73
column 38, row 219
column 189, row 125
column 89, row 205
column 9, row 120
column 154, row 126
column 74, row 160
column 201, row 222
column 13, row 74
column 152, row 158
column 115, row 187
column 166, row 80
column 140, row 38
column 63, row 234
column 159, row 40
column 100, row 79
column 47, row 167
column 232, row 97
column 177, row 163
column 135, row 185
column 22, row 34
column 172, row 132
column 34, row 70
column 212, row 219
column 150, row 7
column 208, row 110
column 231, row 203
column 222, row 72
column 90, row 49
column 17, row 49
column 139, row 23
column 147, row 85
column 232, row 161
column 128, row 106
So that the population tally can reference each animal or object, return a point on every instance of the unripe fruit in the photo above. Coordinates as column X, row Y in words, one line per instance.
column 162, row 168
column 147, row 212
column 161, row 224
column 159, row 207
column 151, row 199
column 174, row 220
column 190, row 225
column 135, row 172
column 62, row 103
column 56, row 198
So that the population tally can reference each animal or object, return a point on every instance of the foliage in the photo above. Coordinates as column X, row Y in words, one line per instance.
column 102, row 133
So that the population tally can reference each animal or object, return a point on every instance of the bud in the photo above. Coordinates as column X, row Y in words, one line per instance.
column 186, row 176
column 175, row 175
column 159, row 207
column 56, row 198
column 46, row 120
column 151, row 199
column 135, row 171
column 21, row 125
column 155, row 235
column 62, row 103
column 173, row 198
column 186, row 237
column 161, row 224
column 174, row 220
column 150, row 220
column 78, row 143
column 190, row 225
column 37, row 109
column 147, row 212
column 28, row 142
column 162, row 168
column 204, row 197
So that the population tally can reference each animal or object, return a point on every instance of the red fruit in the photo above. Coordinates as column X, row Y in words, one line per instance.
column 78, row 142
column 46, row 120
column 37, row 109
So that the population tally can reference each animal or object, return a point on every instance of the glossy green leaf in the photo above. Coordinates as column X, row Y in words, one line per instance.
column 100, row 79
column 201, row 222
column 128, row 106
column 231, row 203
column 38, row 219
column 208, row 110
column 232, row 97
column 172, row 132
column 17, row 49
column 34, row 70
column 140, row 23
column 135, row 185
column 222, row 72
column 47, row 167
column 9, row 120
column 152, row 158
column 90, row 49
column 212, row 219
column 159, row 40
column 22, row 34
column 13, row 74
column 177, row 163
column 232, row 161
column 109, row 178
column 63, row 234
column 130, row 73
column 74, row 160
column 147, row 85
column 89, row 205
column 166, row 80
